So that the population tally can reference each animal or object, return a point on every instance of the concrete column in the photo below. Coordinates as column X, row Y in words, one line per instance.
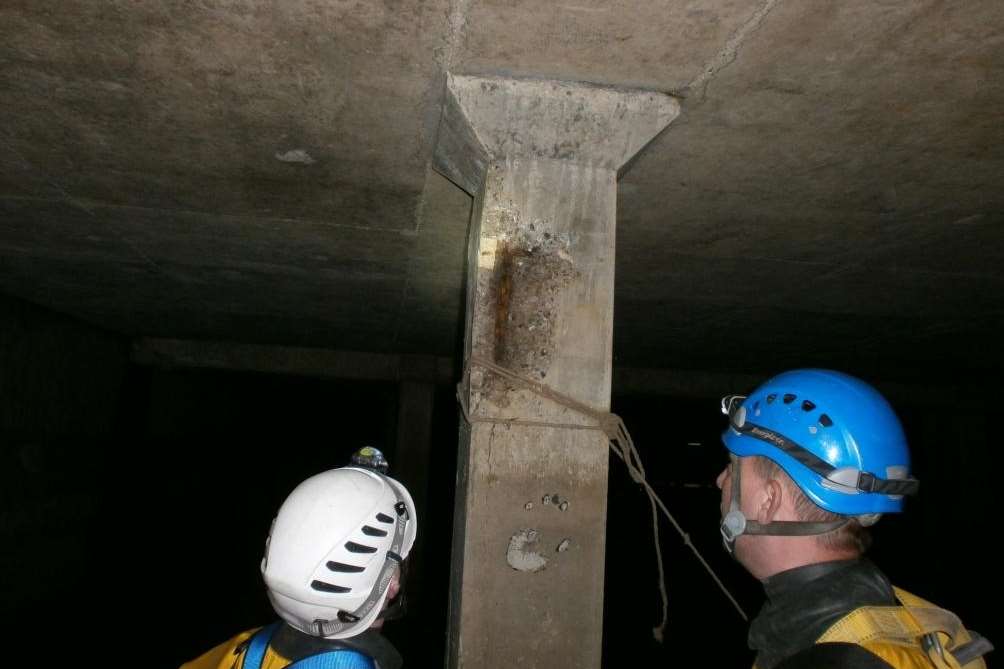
column 542, row 160
column 411, row 463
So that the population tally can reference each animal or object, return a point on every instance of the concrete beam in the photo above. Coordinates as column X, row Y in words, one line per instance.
column 292, row 360
column 542, row 159
column 332, row 363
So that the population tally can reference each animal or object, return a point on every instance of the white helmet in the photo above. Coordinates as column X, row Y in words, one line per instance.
column 333, row 549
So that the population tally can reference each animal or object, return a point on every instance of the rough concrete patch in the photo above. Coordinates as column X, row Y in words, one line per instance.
column 295, row 156
column 530, row 277
column 524, row 269
column 519, row 554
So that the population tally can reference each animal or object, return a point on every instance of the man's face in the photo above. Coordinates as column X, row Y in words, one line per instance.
column 724, row 483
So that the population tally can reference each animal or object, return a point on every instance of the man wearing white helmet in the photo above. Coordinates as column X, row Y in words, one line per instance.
column 332, row 563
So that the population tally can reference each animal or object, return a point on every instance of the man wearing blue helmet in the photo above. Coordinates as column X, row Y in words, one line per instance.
column 816, row 457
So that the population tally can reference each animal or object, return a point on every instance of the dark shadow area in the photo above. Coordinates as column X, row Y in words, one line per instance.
column 196, row 490
column 678, row 440
column 220, row 453
column 135, row 504
column 151, row 538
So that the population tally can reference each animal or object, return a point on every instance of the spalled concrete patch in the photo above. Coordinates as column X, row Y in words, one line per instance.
column 530, row 275
column 527, row 269
column 520, row 554
column 295, row 156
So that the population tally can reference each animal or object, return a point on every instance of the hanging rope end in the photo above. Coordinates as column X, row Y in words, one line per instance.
column 659, row 632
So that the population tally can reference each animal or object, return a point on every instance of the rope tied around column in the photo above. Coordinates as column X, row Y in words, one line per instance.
column 620, row 442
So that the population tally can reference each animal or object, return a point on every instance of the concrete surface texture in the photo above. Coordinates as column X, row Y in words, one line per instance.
column 541, row 304
column 260, row 172
column 543, row 159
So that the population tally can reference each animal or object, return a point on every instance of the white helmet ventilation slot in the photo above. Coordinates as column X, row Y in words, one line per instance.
column 335, row 546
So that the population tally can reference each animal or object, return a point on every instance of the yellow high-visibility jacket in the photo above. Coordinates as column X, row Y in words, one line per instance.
column 231, row 653
column 914, row 635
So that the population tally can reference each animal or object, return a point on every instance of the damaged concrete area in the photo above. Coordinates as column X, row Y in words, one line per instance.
column 556, row 500
column 534, row 261
column 529, row 284
column 528, row 269
column 521, row 555
column 525, row 268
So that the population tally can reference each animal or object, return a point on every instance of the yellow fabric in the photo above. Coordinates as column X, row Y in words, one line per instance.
column 894, row 633
column 230, row 655
column 902, row 657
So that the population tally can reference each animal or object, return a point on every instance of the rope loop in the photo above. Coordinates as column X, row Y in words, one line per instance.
column 620, row 442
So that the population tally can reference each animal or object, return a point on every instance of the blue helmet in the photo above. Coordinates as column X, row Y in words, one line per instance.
column 834, row 435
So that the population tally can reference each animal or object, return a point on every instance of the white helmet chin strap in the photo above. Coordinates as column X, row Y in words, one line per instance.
column 735, row 524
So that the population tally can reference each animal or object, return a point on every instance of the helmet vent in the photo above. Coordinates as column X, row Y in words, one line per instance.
column 825, row 420
column 353, row 547
column 384, row 518
column 807, row 405
column 344, row 568
column 771, row 398
column 321, row 586
column 373, row 532
column 788, row 398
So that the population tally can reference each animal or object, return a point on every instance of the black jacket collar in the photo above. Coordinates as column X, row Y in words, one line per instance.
column 803, row 603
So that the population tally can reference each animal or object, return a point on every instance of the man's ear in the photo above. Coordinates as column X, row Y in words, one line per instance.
column 769, row 501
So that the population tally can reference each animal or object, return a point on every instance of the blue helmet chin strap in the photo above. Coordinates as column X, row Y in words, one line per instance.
column 735, row 524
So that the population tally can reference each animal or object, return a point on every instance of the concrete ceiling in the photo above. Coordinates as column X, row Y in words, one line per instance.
column 256, row 171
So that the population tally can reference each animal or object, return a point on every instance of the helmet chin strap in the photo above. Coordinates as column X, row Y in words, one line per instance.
column 735, row 524
column 345, row 619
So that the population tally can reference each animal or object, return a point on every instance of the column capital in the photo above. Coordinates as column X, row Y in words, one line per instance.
column 490, row 119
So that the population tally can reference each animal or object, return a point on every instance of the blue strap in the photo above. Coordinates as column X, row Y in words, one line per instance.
column 255, row 653
column 342, row 658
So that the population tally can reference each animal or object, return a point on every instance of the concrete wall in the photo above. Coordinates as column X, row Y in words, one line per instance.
column 60, row 390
